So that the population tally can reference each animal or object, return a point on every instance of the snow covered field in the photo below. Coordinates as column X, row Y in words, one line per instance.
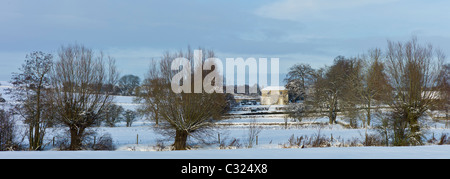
column 422, row 152
column 269, row 145
column 271, row 138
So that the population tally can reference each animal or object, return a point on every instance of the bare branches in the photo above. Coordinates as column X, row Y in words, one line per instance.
column 82, row 85
column 414, row 71
column 299, row 80
column 31, row 90
column 185, row 113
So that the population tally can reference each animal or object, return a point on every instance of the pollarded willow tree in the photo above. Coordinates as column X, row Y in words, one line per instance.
column 414, row 73
column 187, row 112
column 82, row 86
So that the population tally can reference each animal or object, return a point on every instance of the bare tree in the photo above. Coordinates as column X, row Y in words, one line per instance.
column 130, row 116
column 298, row 81
column 413, row 72
column 445, row 85
column 82, row 85
column 370, row 86
column 128, row 84
column 150, row 87
column 253, row 131
column 184, row 113
column 31, row 87
column 113, row 115
column 376, row 86
column 332, row 88
column 349, row 100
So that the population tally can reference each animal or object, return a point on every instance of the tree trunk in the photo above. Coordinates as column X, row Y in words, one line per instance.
column 37, row 142
column 180, row 140
column 34, row 136
column 31, row 136
column 332, row 114
column 415, row 131
column 369, row 117
column 34, row 133
column 76, row 134
column 37, row 137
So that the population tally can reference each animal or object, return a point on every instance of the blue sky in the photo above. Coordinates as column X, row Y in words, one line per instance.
column 296, row 31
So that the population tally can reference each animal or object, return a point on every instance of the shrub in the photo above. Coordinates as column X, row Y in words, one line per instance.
column 90, row 141
column 7, row 132
column 105, row 142
column 232, row 144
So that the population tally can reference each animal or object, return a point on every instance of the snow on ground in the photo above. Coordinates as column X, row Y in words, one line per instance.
column 422, row 152
column 272, row 136
column 269, row 147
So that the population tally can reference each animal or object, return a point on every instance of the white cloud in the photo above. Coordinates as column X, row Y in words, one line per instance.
column 300, row 9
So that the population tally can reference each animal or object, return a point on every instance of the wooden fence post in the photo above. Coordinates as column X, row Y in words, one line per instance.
column 218, row 136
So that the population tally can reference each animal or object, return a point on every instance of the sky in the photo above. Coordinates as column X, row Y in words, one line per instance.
column 295, row 31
